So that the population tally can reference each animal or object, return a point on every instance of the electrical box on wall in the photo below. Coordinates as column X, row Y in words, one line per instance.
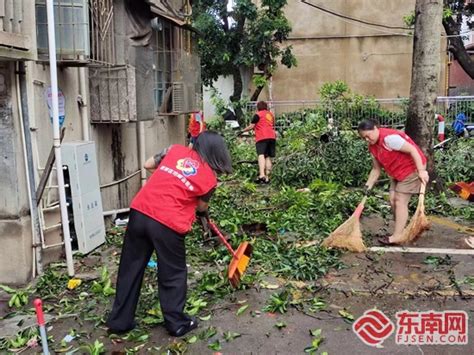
column 85, row 212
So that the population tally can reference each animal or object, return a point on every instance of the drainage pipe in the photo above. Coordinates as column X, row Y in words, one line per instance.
column 22, row 99
column 83, row 104
column 141, row 150
column 57, row 137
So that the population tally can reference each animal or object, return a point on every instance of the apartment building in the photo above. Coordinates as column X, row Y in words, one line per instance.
column 127, row 76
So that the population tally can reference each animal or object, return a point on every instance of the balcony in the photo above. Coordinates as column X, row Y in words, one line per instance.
column 17, row 36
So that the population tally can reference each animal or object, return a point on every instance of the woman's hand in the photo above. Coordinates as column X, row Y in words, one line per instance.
column 423, row 176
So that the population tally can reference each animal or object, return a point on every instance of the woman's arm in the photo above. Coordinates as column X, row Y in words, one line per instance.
column 252, row 124
column 374, row 174
column 152, row 163
column 415, row 155
column 249, row 127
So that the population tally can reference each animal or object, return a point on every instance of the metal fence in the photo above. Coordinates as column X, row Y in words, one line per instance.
column 388, row 112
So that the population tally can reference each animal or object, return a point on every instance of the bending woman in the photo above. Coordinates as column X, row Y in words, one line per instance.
column 161, row 214
column 403, row 161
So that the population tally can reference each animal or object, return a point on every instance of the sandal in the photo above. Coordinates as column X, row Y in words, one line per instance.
column 470, row 242
column 386, row 241
column 260, row 180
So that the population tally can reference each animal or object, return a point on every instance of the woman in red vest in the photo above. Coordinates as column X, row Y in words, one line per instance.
column 161, row 214
column 403, row 161
column 263, row 123
column 195, row 127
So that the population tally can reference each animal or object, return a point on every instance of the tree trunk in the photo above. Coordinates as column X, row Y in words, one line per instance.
column 425, row 76
column 256, row 93
column 259, row 89
column 456, row 47
column 237, row 94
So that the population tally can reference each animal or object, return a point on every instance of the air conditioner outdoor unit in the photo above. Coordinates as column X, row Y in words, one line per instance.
column 184, row 98
column 179, row 98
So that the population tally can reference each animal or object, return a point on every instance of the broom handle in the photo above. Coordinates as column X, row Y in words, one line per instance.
column 421, row 200
column 222, row 238
column 422, row 188
column 360, row 208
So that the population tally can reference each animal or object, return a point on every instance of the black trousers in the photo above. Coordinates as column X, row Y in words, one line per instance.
column 144, row 235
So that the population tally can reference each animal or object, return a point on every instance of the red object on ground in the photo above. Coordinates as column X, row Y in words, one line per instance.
column 464, row 190
column 441, row 126
column 39, row 311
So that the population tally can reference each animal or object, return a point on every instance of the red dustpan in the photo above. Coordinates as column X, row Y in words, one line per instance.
column 240, row 257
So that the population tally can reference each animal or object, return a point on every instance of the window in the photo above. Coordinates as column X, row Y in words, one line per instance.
column 176, row 70
column 72, row 29
column 163, row 64
column 102, row 32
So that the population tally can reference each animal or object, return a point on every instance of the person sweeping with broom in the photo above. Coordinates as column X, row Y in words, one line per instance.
column 161, row 214
column 404, row 162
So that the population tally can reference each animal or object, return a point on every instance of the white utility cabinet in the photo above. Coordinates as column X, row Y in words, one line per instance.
column 84, row 193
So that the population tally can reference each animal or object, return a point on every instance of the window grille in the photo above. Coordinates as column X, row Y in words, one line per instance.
column 72, row 29
column 102, row 32
column 177, row 73
column 11, row 15
column 163, row 61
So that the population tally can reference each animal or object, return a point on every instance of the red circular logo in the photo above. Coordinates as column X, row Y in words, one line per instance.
column 373, row 327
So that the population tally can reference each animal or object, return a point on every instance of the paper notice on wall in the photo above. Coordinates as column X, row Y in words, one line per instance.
column 61, row 105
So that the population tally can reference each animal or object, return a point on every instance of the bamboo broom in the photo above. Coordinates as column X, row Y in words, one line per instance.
column 418, row 222
column 348, row 235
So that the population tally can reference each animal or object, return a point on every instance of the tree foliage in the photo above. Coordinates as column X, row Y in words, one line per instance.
column 244, row 37
column 455, row 13
column 460, row 10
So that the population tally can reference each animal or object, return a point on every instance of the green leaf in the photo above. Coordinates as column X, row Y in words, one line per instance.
column 7, row 289
column 228, row 336
column 431, row 260
column 208, row 333
column 316, row 342
column 192, row 339
column 280, row 325
column 346, row 315
column 315, row 332
column 216, row 346
column 242, row 309
column 205, row 318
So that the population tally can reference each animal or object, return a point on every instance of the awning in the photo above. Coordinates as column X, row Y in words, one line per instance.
column 141, row 12
column 164, row 9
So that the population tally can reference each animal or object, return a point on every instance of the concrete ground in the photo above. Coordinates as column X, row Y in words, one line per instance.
column 390, row 282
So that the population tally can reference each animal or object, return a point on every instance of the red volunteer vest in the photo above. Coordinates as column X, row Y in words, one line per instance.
column 194, row 126
column 171, row 194
column 397, row 164
column 264, row 127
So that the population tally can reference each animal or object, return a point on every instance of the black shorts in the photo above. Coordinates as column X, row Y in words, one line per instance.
column 266, row 147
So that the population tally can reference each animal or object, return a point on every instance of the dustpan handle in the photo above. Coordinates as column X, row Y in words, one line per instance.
column 221, row 237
